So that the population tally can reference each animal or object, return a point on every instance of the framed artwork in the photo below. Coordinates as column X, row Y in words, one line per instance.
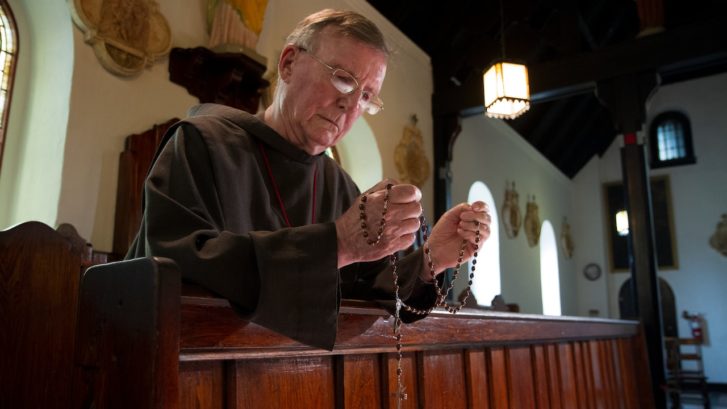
column 615, row 200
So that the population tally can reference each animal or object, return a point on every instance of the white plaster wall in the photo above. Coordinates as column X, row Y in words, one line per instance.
column 30, row 178
column 102, row 109
column 588, row 231
column 490, row 151
column 699, row 197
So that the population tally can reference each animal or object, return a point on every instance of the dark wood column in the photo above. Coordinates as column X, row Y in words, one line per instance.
column 446, row 129
column 625, row 97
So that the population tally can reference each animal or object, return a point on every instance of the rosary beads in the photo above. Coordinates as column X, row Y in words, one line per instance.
column 394, row 261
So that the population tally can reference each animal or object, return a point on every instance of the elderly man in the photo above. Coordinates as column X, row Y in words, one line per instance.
column 250, row 208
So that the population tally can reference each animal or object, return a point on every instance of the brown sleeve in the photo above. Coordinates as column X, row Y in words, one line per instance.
column 286, row 280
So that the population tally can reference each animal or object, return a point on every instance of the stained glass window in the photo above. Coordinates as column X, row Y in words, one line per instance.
column 8, row 52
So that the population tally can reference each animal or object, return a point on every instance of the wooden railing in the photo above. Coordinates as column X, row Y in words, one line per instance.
column 145, row 343
column 142, row 340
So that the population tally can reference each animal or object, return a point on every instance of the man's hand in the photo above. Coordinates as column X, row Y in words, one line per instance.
column 455, row 225
column 402, row 223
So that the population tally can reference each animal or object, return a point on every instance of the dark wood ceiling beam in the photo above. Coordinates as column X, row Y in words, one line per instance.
column 687, row 47
column 597, row 130
column 548, row 122
column 566, row 128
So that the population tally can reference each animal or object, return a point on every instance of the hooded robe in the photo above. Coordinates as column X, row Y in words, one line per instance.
column 211, row 205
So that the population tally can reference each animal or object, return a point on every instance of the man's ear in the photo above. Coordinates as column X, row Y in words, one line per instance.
column 286, row 62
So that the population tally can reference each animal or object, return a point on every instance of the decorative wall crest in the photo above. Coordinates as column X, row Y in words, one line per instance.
column 718, row 241
column 566, row 241
column 532, row 222
column 511, row 216
column 126, row 35
column 409, row 156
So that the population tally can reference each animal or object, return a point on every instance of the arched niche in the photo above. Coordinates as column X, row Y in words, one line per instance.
column 486, row 283
column 549, row 271
column 359, row 155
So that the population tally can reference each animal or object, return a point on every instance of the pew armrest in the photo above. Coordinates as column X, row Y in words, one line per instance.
column 127, row 350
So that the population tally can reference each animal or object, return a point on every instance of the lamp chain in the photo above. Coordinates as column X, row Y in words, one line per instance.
column 502, row 30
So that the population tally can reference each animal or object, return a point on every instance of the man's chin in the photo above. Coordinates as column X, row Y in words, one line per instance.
column 327, row 137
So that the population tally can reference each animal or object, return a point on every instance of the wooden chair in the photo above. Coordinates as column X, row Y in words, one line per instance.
column 685, row 371
column 39, row 278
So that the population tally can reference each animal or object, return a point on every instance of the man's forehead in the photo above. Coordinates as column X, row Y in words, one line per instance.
column 332, row 37
column 341, row 52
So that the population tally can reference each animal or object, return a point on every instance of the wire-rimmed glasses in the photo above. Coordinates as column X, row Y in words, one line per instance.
column 346, row 84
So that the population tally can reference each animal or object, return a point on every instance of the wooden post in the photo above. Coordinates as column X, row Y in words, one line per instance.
column 643, row 260
column 625, row 97
column 446, row 129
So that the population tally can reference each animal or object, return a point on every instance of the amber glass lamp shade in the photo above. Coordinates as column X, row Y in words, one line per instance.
column 507, row 92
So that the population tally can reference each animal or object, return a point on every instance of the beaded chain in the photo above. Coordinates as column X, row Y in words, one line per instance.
column 394, row 261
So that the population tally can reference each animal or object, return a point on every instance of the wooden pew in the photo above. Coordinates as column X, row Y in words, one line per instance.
column 156, row 349
column 40, row 270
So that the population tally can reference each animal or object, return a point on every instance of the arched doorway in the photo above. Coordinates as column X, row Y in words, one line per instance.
column 627, row 307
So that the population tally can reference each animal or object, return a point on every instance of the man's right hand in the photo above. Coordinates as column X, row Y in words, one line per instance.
column 402, row 223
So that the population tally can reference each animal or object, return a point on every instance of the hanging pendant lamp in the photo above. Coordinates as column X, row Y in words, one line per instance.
column 506, row 86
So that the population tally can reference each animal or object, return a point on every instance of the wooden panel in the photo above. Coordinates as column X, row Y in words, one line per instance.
column 39, row 278
column 599, row 390
column 358, row 381
column 542, row 377
column 498, row 363
column 442, row 380
column 567, row 376
column 389, row 390
column 606, row 359
column 520, row 372
column 229, row 362
column 588, row 369
column 617, row 376
column 282, row 383
column 642, row 370
column 626, row 362
column 477, row 378
column 581, row 379
column 201, row 385
column 554, row 380
column 210, row 325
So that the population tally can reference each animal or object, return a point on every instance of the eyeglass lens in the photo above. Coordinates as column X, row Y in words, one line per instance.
column 346, row 83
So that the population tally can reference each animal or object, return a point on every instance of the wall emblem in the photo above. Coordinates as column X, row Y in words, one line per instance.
column 126, row 35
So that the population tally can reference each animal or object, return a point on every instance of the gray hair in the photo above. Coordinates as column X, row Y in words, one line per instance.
column 345, row 23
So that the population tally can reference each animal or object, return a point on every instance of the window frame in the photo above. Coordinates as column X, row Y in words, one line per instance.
column 683, row 120
column 13, row 27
